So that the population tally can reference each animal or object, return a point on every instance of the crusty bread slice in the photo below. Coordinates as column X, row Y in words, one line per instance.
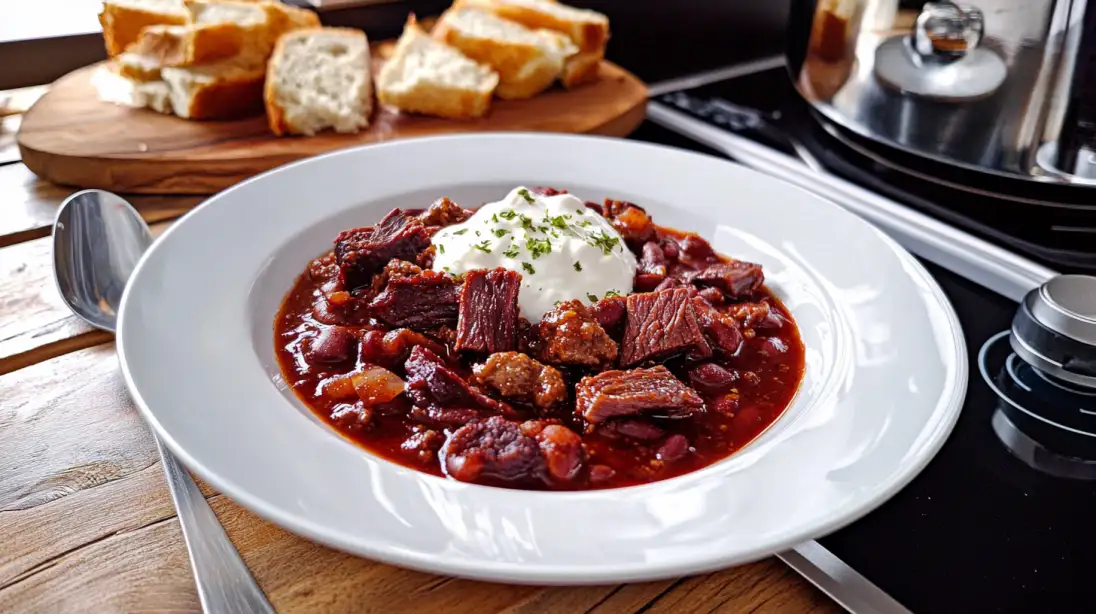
column 188, row 44
column 319, row 78
column 138, row 67
column 580, row 69
column 528, row 61
column 113, row 87
column 588, row 29
column 123, row 20
column 427, row 76
column 286, row 18
column 228, row 89
column 253, row 19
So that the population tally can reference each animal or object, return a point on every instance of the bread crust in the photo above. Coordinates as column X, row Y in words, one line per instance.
column 122, row 24
column 588, row 36
column 197, row 44
column 525, row 70
column 580, row 69
column 241, row 96
column 439, row 101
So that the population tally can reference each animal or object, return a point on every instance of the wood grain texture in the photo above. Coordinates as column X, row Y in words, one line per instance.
column 35, row 324
column 72, row 138
column 29, row 205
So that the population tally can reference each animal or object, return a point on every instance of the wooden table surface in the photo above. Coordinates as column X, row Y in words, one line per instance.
column 86, row 521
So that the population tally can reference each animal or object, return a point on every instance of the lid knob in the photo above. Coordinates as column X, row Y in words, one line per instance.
column 948, row 31
column 1055, row 329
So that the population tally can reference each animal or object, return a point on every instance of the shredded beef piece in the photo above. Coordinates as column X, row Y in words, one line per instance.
column 333, row 345
column 425, row 259
column 653, row 392
column 737, row 278
column 362, row 252
column 694, row 249
column 518, row 377
column 713, row 295
column 436, row 389
column 391, row 349
column 632, row 429
column 668, row 284
column 395, row 269
column 424, row 445
column 720, row 328
column 571, row 336
column 560, row 447
column 488, row 315
column 631, row 221
column 610, row 311
column 660, row 325
column 444, row 212
column 711, row 378
column 492, row 451
column 757, row 315
column 421, row 301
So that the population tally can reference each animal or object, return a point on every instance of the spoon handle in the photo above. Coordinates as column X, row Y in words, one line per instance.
column 225, row 585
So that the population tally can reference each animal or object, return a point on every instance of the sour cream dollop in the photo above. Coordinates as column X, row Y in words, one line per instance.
column 562, row 249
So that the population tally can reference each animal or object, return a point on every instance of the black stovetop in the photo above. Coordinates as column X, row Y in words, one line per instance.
column 979, row 530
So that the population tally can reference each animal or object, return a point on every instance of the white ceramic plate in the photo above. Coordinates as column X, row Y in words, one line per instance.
column 886, row 367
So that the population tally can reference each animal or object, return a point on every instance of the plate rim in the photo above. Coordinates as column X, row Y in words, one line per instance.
column 556, row 574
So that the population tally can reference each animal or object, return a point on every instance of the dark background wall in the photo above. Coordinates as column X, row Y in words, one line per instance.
column 656, row 39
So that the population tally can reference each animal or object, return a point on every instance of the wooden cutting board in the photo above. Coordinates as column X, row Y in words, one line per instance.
column 71, row 137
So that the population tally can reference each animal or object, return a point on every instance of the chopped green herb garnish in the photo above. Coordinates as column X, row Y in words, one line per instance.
column 612, row 293
column 483, row 246
column 511, row 252
column 526, row 222
column 477, row 233
column 460, row 232
column 526, row 195
column 603, row 241
column 538, row 247
column 585, row 223
column 542, row 228
column 445, row 268
column 528, row 268
column 495, row 218
column 559, row 221
column 580, row 212
column 593, row 298
column 578, row 265
column 509, row 214
column 441, row 248
column 501, row 232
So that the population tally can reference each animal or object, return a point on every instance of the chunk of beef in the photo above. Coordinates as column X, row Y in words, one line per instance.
column 720, row 328
column 434, row 388
column 424, row 445
column 757, row 315
column 560, row 447
column 714, row 296
column 668, row 284
column 518, row 377
column 660, row 325
column 444, row 212
column 353, row 417
column 362, row 252
column 631, row 221
column 333, row 345
column 492, row 451
column 632, row 429
column 488, row 314
column 636, row 392
column 737, row 278
column 570, row 335
column 391, row 349
column 609, row 312
column 673, row 449
column 421, row 301
column 695, row 250
column 395, row 269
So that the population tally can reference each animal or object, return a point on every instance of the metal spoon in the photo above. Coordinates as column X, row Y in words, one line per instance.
column 98, row 238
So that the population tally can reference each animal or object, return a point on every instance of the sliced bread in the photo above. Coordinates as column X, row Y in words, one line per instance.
column 527, row 61
column 253, row 19
column 228, row 89
column 580, row 69
column 286, row 18
column 588, row 29
column 114, row 87
column 426, row 76
column 138, row 66
column 188, row 44
column 123, row 20
column 319, row 78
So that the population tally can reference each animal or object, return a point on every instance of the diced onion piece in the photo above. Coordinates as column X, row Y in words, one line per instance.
column 339, row 297
column 339, row 387
column 376, row 385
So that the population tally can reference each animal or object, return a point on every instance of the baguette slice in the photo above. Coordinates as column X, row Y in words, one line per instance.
column 319, row 78
column 123, row 20
column 287, row 18
column 229, row 89
column 528, row 61
column 188, row 44
column 427, row 76
column 114, row 87
column 253, row 19
column 138, row 67
column 580, row 69
column 588, row 29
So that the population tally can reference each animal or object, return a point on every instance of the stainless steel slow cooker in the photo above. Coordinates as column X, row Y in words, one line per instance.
column 1000, row 87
